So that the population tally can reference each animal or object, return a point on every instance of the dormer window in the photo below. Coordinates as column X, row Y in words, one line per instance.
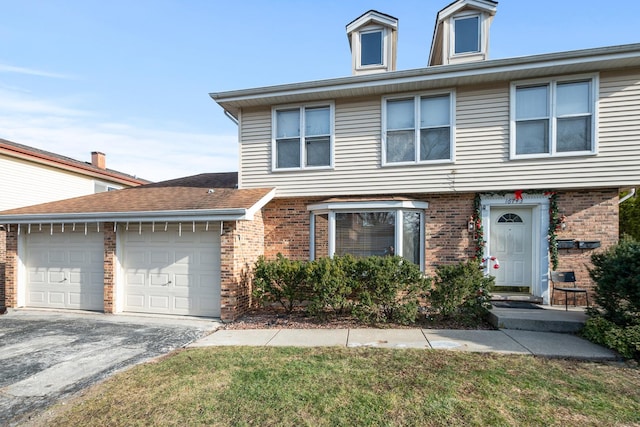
column 466, row 34
column 373, row 38
column 371, row 45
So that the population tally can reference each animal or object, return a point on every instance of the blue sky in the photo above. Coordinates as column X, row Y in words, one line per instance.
column 132, row 78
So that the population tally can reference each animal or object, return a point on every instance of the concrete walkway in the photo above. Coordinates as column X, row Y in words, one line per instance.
column 546, row 344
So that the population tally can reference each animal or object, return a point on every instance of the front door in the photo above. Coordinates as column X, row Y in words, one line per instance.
column 511, row 242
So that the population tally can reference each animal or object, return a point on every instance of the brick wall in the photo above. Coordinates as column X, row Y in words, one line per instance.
column 590, row 215
column 109, row 267
column 3, row 258
column 240, row 246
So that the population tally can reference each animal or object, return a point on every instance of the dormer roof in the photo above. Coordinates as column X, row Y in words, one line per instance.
column 371, row 17
column 442, row 50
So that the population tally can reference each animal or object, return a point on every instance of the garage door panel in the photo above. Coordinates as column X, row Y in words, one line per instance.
column 64, row 270
column 173, row 269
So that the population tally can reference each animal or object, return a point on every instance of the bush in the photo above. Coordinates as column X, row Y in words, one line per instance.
column 282, row 281
column 461, row 288
column 623, row 339
column 616, row 273
column 332, row 284
column 389, row 289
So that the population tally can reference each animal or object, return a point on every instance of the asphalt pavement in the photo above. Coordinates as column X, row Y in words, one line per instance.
column 49, row 356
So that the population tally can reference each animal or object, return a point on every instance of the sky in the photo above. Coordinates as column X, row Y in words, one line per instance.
column 132, row 78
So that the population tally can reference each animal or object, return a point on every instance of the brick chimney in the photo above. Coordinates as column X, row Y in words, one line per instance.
column 98, row 159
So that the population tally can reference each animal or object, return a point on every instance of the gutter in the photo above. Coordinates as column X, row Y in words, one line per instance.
column 144, row 216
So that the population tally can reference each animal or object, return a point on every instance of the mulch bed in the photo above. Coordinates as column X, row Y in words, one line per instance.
column 261, row 318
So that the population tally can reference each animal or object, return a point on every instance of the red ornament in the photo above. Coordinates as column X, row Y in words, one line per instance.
column 518, row 194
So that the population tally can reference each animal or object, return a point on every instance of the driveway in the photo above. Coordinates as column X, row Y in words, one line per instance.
column 46, row 356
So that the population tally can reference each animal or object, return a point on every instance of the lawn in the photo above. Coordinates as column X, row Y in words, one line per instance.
column 357, row 387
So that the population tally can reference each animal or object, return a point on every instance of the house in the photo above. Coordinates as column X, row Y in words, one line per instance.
column 30, row 176
column 516, row 160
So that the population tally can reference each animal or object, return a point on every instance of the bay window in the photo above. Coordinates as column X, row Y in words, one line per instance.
column 369, row 228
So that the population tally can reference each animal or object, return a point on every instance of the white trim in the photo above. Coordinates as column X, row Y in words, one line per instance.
column 552, row 84
column 540, row 227
column 372, row 17
column 302, row 107
column 416, row 127
column 118, row 276
column 371, row 205
column 481, row 5
column 21, row 285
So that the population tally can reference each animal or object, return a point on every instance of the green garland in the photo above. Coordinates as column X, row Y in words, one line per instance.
column 555, row 222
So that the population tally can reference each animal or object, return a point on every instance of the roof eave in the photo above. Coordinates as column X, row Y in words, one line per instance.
column 611, row 56
column 135, row 216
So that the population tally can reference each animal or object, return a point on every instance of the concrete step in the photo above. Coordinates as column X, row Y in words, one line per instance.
column 514, row 296
column 547, row 319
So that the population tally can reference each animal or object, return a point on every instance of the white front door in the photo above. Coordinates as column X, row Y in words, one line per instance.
column 64, row 269
column 511, row 241
column 176, row 271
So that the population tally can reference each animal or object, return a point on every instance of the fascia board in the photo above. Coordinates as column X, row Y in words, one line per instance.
column 484, row 6
column 367, row 205
column 173, row 216
column 260, row 204
column 370, row 17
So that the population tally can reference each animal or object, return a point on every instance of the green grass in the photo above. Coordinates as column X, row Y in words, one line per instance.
column 358, row 387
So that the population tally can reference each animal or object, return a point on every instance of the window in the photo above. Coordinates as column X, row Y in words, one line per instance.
column 303, row 137
column 466, row 34
column 371, row 48
column 418, row 129
column 553, row 118
column 369, row 228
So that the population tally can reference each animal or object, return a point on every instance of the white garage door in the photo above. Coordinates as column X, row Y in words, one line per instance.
column 172, row 272
column 65, row 270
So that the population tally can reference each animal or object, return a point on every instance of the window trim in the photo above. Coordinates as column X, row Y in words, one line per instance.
column 481, row 44
column 416, row 103
column 302, row 108
column 371, row 29
column 552, row 84
column 398, row 207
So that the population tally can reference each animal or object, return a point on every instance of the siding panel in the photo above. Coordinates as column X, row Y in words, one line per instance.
column 482, row 149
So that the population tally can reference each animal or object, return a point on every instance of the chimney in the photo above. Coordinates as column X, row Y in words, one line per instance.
column 98, row 160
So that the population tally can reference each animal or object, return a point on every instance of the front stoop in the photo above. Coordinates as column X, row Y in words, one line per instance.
column 546, row 320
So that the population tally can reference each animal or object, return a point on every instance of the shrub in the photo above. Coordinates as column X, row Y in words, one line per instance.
column 623, row 339
column 388, row 289
column 461, row 288
column 282, row 281
column 332, row 284
column 616, row 273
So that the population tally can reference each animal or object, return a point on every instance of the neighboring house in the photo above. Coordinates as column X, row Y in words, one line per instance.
column 520, row 159
column 29, row 176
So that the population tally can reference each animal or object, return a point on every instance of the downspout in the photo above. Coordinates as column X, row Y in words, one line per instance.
column 628, row 196
column 230, row 116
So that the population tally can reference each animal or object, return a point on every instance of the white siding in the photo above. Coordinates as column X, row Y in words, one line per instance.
column 482, row 150
column 24, row 183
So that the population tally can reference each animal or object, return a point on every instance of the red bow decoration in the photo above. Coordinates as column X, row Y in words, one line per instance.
column 518, row 194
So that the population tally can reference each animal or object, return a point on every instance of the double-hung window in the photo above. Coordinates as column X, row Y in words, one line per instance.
column 302, row 137
column 553, row 117
column 418, row 129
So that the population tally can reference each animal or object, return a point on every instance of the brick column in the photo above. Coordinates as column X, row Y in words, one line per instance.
column 109, row 267
column 11, row 267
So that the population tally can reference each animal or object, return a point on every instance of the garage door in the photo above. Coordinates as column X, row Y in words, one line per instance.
column 65, row 269
column 172, row 271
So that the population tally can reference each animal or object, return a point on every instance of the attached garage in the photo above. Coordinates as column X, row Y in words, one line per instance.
column 173, row 269
column 64, row 269
column 180, row 247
